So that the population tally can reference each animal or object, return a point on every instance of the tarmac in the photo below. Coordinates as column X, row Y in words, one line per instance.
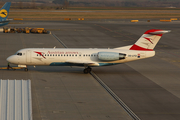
column 149, row 87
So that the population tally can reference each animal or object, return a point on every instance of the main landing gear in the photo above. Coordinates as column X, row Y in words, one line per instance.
column 87, row 70
column 26, row 69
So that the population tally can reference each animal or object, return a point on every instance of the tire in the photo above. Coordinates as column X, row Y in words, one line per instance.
column 26, row 69
column 89, row 70
column 86, row 71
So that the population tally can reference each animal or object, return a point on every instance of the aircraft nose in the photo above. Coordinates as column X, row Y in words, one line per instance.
column 11, row 59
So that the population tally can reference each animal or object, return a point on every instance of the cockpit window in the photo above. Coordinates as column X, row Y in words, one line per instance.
column 20, row 54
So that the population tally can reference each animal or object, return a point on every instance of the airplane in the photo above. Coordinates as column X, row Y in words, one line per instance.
column 88, row 58
column 4, row 11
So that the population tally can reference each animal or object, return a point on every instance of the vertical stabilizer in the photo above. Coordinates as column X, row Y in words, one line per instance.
column 148, row 40
column 4, row 11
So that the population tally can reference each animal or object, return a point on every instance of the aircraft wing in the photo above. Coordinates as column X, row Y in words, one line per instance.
column 84, row 62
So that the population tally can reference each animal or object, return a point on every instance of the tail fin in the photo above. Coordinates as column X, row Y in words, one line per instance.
column 4, row 11
column 148, row 40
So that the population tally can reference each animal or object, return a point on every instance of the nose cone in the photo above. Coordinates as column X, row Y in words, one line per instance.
column 11, row 59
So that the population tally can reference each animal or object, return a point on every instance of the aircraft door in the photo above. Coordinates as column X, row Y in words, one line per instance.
column 28, row 56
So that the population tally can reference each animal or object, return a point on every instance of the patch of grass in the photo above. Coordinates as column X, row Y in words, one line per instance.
column 121, row 8
column 106, row 14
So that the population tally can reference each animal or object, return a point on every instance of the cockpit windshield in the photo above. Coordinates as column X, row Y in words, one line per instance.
column 20, row 54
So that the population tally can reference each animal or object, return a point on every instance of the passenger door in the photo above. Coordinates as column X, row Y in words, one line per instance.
column 28, row 56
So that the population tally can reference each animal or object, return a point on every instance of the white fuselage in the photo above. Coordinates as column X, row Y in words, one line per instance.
column 73, row 56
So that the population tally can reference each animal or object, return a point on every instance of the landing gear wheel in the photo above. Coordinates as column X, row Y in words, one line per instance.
column 26, row 69
column 87, row 70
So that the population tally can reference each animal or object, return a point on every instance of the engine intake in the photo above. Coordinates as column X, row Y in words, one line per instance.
column 110, row 56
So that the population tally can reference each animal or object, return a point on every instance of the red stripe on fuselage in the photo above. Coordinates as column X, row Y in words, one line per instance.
column 135, row 47
column 40, row 53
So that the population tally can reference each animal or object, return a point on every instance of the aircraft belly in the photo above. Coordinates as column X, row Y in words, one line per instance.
column 38, row 61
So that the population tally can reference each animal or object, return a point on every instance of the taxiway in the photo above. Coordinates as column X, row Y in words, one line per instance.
column 149, row 87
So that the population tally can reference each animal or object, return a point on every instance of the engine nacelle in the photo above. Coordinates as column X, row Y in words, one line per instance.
column 110, row 56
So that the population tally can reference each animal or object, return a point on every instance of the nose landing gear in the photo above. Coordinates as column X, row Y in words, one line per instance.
column 87, row 70
column 15, row 68
column 9, row 67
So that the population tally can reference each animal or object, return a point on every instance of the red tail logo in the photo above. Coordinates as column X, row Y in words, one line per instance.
column 40, row 53
column 149, row 39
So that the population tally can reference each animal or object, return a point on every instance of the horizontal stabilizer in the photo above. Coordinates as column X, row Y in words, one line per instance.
column 156, row 32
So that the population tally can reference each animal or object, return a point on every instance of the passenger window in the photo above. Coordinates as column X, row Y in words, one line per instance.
column 58, row 54
column 47, row 54
column 50, row 55
column 79, row 55
column 76, row 55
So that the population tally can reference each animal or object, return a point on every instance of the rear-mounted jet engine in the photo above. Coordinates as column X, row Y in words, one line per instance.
column 110, row 56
